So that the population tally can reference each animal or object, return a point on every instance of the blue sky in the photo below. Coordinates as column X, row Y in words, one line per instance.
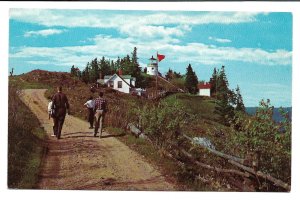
column 255, row 48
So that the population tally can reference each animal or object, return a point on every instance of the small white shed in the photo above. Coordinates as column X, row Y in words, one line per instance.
column 204, row 89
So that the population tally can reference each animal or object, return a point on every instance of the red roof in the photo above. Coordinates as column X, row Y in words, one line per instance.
column 203, row 86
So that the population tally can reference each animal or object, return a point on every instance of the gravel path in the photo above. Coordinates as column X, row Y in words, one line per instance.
column 80, row 161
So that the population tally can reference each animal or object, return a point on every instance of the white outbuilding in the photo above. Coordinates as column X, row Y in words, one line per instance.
column 204, row 89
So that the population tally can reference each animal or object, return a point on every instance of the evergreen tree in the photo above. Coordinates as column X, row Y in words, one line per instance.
column 222, row 84
column 225, row 97
column 118, row 64
column 239, row 101
column 94, row 71
column 135, row 67
column 104, row 67
column 191, row 81
column 213, row 82
column 177, row 75
column 169, row 74
column 113, row 67
column 73, row 71
column 126, row 65
column 85, row 74
column 225, row 111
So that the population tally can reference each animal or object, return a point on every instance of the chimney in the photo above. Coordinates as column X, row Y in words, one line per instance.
column 120, row 72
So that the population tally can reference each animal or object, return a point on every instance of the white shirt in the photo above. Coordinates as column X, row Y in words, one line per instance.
column 90, row 104
column 49, row 107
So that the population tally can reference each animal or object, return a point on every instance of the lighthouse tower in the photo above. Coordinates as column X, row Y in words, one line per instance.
column 152, row 67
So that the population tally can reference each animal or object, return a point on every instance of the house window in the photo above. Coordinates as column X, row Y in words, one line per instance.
column 119, row 84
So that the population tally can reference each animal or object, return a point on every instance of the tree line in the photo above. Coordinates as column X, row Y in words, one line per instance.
column 97, row 69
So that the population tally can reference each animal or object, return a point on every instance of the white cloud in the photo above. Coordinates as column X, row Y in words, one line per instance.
column 110, row 47
column 147, row 25
column 44, row 33
column 148, row 32
column 221, row 40
column 101, row 18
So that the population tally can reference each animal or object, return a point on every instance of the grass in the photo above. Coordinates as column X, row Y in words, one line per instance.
column 24, row 147
column 20, row 83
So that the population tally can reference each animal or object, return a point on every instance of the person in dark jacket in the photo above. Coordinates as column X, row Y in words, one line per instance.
column 61, row 106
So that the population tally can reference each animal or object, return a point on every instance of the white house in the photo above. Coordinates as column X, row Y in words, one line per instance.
column 122, row 83
column 204, row 89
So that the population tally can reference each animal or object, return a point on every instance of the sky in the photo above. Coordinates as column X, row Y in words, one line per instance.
column 255, row 48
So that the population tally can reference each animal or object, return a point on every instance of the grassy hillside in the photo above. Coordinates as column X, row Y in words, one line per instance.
column 197, row 119
column 24, row 135
column 123, row 108
column 204, row 123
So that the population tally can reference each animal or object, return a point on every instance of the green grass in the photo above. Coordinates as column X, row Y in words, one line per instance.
column 20, row 83
column 200, row 106
column 24, row 143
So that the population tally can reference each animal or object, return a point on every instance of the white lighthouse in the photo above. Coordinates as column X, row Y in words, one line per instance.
column 152, row 67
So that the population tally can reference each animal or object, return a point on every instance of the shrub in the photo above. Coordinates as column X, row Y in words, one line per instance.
column 163, row 123
column 271, row 140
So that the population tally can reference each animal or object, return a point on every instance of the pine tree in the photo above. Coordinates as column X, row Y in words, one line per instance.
column 113, row 67
column 225, row 111
column 118, row 63
column 169, row 74
column 135, row 67
column 222, row 83
column 85, row 74
column 94, row 71
column 73, row 71
column 213, row 81
column 225, row 98
column 104, row 67
column 191, row 81
column 239, row 100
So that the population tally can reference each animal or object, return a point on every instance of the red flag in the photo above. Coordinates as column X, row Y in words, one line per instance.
column 160, row 57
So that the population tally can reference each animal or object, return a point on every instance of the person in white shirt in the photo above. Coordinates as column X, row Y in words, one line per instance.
column 90, row 104
column 50, row 111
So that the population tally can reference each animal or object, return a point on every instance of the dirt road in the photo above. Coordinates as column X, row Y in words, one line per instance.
column 80, row 161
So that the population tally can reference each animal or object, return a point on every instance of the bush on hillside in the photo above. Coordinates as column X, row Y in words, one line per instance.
column 163, row 123
column 271, row 141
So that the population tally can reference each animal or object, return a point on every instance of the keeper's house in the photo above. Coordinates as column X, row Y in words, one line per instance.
column 204, row 89
column 121, row 83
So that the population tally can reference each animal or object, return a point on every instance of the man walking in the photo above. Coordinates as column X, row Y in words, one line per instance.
column 100, row 110
column 60, row 105
column 90, row 104
column 51, row 113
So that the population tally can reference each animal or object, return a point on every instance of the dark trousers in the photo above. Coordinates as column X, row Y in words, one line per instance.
column 91, row 117
column 58, row 124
